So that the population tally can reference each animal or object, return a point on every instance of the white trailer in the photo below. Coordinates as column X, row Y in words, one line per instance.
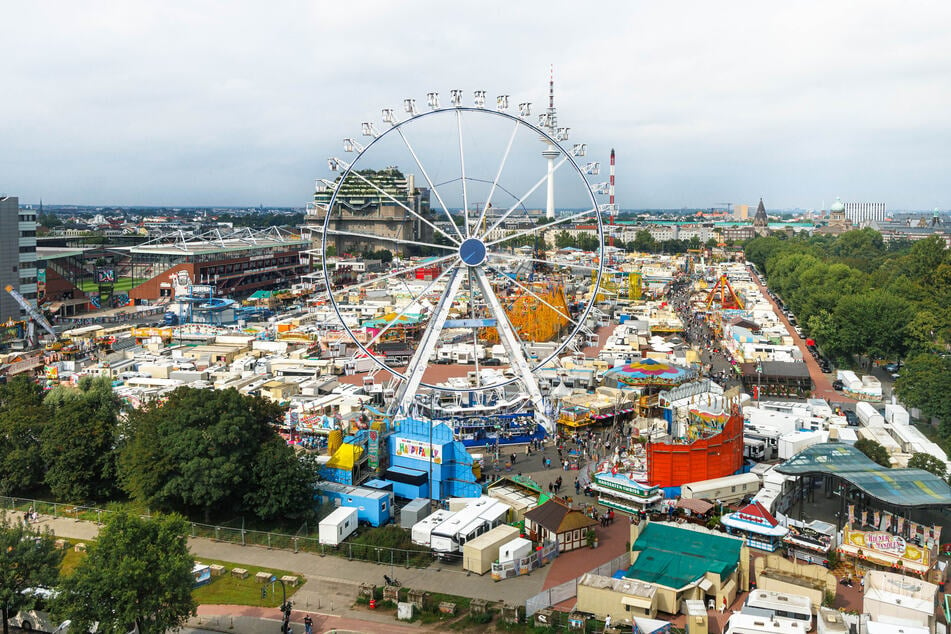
column 480, row 517
column 868, row 415
column 422, row 530
column 338, row 526
column 791, row 444
column 727, row 490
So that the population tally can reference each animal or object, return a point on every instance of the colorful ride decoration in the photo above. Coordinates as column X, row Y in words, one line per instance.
column 533, row 319
column 675, row 463
column 724, row 296
column 648, row 372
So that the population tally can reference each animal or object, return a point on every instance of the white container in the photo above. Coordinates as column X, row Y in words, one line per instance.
column 338, row 526
column 865, row 411
column 515, row 550
column 479, row 553
column 791, row 444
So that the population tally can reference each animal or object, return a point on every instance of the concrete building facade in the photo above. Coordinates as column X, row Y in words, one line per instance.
column 860, row 213
column 17, row 255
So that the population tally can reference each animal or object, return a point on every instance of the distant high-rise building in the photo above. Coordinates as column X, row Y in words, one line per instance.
column 741, row 212
column 17, row 255
column 860, row 213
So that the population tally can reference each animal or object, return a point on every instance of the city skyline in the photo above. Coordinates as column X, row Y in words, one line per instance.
column 186, row 105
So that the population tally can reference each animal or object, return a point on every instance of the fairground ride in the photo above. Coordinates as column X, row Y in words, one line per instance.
column 480, row 165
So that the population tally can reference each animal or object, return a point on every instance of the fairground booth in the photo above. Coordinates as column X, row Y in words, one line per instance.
column 882, row 512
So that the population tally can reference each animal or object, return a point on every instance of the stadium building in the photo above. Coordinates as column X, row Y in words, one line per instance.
column 235, row 263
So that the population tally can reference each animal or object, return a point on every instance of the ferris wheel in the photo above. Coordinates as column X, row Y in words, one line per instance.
column 463, row 196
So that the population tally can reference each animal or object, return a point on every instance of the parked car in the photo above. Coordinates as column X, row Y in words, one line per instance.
column 891, row 367
column 851, row 418
column 492, row 361
column 838, row 385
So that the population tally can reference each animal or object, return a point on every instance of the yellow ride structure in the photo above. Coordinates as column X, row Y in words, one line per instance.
column 533, row 319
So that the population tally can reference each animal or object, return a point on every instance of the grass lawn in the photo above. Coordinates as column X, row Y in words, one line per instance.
column 223, row 590
column 122, row 284
column 228, row 590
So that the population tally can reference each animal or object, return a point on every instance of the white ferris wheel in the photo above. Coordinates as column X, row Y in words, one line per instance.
column 486, row 230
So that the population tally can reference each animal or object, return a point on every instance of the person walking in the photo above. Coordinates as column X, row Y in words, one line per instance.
column 308, row 625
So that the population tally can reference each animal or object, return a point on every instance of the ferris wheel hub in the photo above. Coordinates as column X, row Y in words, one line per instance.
column 472, row 252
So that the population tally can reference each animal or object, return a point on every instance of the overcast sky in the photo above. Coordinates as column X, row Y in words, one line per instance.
column 241, row 103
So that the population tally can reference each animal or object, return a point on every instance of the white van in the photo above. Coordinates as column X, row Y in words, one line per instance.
column 38, row 619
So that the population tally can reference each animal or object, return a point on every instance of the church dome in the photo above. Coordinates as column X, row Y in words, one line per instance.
column 837, row 205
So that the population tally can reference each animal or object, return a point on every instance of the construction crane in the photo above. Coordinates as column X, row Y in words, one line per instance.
column 729, row 207
column 34, row 314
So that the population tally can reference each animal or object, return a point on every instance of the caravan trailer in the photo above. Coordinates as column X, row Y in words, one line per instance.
column 780, row 606
column 727, row 490
column 422, row 530
column 448, row 539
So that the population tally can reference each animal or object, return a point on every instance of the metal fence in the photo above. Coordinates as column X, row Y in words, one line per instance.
column 240, row 536
column 569, row 589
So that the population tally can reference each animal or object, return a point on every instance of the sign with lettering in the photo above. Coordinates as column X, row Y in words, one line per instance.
column 419, row 450
column 887, row 544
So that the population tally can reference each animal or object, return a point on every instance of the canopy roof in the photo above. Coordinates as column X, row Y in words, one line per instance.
column 650, row 372
column 898, row 487
column 674, row 557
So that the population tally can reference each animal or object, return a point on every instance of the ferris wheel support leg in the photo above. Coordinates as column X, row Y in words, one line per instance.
column 427, row 345
column 514, row 350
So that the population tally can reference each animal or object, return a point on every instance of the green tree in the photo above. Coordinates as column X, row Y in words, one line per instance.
column 929, row 463
column 80, row 440
column 138, row 572
column 644, row 241
column 925, row 383
column 874, row 451
column 874, row 323
column 281, row 482
column 197, row 453
column 22, row 420
column 28, row 559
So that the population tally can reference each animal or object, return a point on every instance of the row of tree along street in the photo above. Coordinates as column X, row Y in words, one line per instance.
column 137, row 574
column 864, row 300
column 202, row 453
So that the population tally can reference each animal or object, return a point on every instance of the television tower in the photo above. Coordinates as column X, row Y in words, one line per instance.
column 613, row 210
column 549, row 123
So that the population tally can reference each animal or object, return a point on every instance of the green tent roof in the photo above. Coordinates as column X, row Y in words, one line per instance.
column 672, row 556
column 899, row 487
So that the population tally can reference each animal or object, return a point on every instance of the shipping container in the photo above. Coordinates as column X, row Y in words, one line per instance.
column 515, row 550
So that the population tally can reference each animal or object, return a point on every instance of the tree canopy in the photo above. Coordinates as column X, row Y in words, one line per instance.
column 212, row 451
column 929, row 463
column 28, row 559
column 138, row 572
column 876, row 452
column 23, row 418
column 79, row 442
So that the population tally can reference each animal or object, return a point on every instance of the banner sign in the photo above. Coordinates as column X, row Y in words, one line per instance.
column 888, row 544
column 418, row 450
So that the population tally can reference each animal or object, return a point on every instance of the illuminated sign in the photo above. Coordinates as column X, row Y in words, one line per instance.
column 418, row 450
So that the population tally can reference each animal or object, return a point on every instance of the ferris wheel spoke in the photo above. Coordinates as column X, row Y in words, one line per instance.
column 498, row 175
column 430, row 338
column 396, row 240
column 462, row 166
column 398, row 273
column 527, row 232
column 532, row 293
column 512, row 345
column 399, row 315
column 402, row 204
column 567, row 265
column 432, row 187
column 531, row 191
